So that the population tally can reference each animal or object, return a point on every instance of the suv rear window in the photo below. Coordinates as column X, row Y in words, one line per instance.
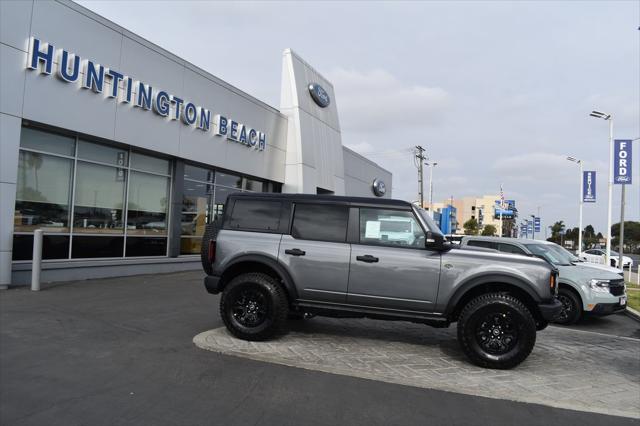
column 255, row 215
column 320, row 222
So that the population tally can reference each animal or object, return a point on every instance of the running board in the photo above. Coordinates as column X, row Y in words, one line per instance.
column 337, row 310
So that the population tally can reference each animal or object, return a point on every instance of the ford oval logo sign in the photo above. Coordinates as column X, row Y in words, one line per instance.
column 319, row 95
column 379, row 188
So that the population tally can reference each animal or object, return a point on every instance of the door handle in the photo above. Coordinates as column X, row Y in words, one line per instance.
column 367, row 258
column 295, row 252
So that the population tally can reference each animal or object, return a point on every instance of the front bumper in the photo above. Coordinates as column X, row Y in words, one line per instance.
column 212, row 284
column 550, row 310
column 607, row 308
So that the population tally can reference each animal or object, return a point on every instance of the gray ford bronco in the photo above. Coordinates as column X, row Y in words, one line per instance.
column 276, row 257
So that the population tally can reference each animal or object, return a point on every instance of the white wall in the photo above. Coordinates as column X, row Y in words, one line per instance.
column 314, row 143
column 359, row 174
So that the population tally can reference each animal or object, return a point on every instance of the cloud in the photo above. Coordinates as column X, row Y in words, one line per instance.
column 377, row 100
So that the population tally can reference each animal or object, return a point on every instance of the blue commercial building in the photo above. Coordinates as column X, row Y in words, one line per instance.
column 446, row 219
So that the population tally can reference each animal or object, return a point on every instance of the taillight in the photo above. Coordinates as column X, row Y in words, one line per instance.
column 212, row 251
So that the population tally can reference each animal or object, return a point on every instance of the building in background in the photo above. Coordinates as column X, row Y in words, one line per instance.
column 445, row 215
column 122, row 152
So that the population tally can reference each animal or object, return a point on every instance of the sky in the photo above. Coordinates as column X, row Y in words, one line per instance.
column 496, row 92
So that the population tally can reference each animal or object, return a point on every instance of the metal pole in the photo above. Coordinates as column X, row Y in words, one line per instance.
column 622, row 202
column 37, row 260
column 431, row 166
column 580, row 216
column 421, row 159
column 610, row 188
column 533, row 227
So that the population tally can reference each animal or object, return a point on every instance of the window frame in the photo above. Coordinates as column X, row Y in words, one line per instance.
column 74, row 158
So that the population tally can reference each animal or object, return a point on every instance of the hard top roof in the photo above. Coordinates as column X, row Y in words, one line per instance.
column 323, row 198
column 505, row 239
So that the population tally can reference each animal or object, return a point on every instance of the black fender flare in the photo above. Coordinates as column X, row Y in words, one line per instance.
column 269, row 262
column 475, row 282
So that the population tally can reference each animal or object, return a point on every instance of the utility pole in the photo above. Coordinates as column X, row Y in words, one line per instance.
column 420, row 156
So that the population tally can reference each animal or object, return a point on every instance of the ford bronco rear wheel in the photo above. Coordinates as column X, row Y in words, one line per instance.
column 496, row 330
column 253, row 306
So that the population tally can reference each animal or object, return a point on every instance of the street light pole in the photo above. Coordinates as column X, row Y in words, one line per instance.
column 431, row 167
column 609, row 118
column 580, row 203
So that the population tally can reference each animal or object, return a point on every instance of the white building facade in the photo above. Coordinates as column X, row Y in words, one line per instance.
column 122, row 152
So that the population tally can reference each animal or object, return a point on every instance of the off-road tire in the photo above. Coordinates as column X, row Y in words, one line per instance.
column 571, row 307
column 473, row 317
column 210, row 233
column 265, row 288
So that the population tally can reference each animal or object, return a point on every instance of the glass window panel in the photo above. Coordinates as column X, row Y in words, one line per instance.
column 53, row 247
column 43, row 192
column 46, row 141
column 149, row 163
column 190, row 245
column 148, row 203
column 253, row 185
column 99, row 198
column 390, row 228
column 137, row 246
column 90, row 246
column 256, row 215
column 198, row 173
column 196, row 207
column 320, row 222
column 103, row 153
column 484, row 244
column 510, row 248
column 229, row 180
column 220, row 200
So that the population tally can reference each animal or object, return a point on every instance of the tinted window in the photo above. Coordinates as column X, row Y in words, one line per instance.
column 390, row 228
column 485, row 244
column 256, row 215
column 510, row 248
column 320, row 222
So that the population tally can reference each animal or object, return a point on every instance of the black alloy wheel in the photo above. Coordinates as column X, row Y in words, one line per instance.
column 250, row 308
column 571, row 308
column 498, row 332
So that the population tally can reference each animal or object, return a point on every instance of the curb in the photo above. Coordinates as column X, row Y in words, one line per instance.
column 630, row 312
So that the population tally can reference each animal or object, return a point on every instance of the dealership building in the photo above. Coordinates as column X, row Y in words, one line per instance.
column 122, row 152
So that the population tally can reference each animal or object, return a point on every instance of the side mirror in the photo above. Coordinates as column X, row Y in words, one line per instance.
column 433, row 240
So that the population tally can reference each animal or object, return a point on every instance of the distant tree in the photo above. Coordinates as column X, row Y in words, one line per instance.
column 489, row 231
column 556, row 229
column 631, row 235
column 471, row 227
column 589, row 238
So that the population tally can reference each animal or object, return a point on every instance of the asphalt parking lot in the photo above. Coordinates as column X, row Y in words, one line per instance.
column 120, row 351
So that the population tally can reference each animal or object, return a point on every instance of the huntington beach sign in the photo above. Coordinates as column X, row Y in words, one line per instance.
column 122, row 88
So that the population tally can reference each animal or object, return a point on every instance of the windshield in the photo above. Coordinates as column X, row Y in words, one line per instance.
column 552, row 253
column 430, row 223
column 572, row 256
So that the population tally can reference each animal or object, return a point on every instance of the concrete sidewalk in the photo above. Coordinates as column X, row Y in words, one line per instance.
column 119, row 351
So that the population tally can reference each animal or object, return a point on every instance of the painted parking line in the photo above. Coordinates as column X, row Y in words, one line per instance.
column 581, row 371
column 573, row 330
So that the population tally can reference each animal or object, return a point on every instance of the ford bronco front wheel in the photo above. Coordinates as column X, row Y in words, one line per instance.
column 254, row 306
column 496, row 330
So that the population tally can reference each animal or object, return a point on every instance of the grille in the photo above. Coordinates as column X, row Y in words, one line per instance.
column 616, row 287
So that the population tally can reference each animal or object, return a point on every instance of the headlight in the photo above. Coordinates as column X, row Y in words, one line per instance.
column 599, row 285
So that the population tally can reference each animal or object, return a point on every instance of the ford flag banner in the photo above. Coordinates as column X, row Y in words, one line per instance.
column 589, row 186
column 622, row 161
